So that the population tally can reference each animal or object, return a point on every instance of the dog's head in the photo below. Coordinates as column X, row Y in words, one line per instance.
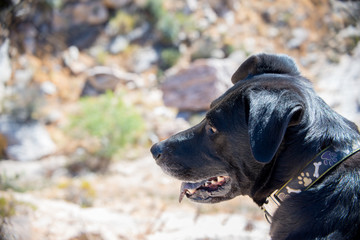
column 232, row 151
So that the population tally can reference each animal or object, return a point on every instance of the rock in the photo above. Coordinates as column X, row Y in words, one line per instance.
column 26, row 141
column 69, row 221
column 24, row 73
column 52, row 116
column 34, row 174
column 82, row 36
column 238, row 56
column 71, row 55
column 17, row 228
column 300, row 35
column 80, row 22
column 229, row 18
column 199, row 229
column 217, row 53
column 119, row 44
column 139, row 32
column 190, row 6
column 101, row 79
column 48, row 88
column 79, row 13
column 5, row 66
column 143, row 59
column 91, row 12
column 165, row 124
column 23, row 77
column 115, row 3
column 30, row 33
column 349, row 37
column 193, row 88
column 349, row 32
column 203, row 48
column 75, row 61
column 222, row 7
column 210, row 15
column 309, row 59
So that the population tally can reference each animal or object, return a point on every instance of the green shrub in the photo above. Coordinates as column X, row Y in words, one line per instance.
column 167, row 24
column 10, row 207
column 79, row 191
column 7, row 209
column 123, row 22
column 155, row 8
column 169, row 57
column 169, row 28
column 108, row 120
column 228, row 49
column 12, row 182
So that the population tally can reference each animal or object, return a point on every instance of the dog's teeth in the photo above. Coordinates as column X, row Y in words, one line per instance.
column 190, row 191
column 186, row 192
column 221, row 179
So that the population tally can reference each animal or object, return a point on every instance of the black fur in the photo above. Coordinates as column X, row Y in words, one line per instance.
column 261, row 133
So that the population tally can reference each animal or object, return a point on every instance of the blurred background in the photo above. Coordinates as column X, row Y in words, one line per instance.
column 86, row 87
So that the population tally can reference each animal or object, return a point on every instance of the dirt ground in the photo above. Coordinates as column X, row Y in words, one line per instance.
column 135, row 200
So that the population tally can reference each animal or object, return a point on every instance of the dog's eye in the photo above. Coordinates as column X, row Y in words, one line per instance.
column 211, row 129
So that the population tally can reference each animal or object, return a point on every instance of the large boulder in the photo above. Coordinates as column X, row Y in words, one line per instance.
column 195, row 87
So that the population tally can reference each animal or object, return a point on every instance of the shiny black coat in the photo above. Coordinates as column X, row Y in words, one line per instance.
column 261, row 133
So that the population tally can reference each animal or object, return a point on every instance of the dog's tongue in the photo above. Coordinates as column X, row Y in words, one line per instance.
column 189, row 188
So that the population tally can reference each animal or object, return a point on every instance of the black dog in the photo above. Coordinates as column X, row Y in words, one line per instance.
column 272, row 138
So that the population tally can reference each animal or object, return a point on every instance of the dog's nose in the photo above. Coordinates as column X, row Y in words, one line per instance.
column 156, row 150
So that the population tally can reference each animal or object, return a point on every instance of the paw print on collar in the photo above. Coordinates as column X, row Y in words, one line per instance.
column 329, row 158
column 304, row 179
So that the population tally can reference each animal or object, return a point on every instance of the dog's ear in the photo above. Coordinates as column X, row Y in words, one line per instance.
column 265, row 63
column 269, row 116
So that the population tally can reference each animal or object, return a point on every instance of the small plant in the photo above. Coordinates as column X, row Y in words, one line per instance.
column 169, row 28
column 80, row 192
column 168, row 24
column 7, row 209
column 228, row 49
column 123, row 22
column 55, row 4
column 11, row 182
column 23, row 103
column 109, row 121
column 169, row 57
column 155, row 8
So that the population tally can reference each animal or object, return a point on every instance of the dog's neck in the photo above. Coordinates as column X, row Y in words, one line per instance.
column 314, row 170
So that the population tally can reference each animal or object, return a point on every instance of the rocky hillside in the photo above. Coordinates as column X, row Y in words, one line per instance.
column 87, row 86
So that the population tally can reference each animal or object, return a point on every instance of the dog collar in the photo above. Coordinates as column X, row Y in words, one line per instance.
column 311, row 173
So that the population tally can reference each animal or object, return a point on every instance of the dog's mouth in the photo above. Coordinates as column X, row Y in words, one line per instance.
column 206, row 191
